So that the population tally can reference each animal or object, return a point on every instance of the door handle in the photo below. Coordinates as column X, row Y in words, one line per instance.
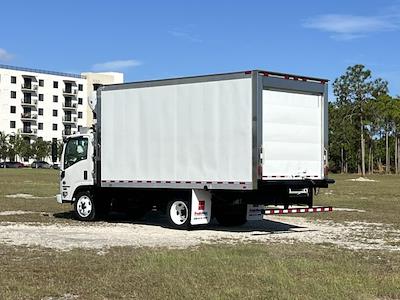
column 85, row 175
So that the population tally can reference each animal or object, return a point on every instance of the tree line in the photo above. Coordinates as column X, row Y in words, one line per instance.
column 15, row 146
column 364, row 124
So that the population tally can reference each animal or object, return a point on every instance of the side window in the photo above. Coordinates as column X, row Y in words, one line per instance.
column 75, row 151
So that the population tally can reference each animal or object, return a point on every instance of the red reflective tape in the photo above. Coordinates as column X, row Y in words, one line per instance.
column 158, row 181
column 198, row 182
column 219, row 182
column 168, row 182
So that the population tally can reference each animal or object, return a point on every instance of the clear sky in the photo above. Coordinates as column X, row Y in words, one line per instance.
column 158, row 39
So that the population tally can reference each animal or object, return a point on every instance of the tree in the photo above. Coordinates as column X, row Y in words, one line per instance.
column 22, row 147
column 41, row 149
column 3, row 145
column 383, row 107
column 356, row 88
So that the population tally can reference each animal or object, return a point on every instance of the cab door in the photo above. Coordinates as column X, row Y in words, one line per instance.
column 77, row 165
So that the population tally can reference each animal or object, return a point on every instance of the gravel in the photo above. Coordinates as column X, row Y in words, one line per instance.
column 155, row 233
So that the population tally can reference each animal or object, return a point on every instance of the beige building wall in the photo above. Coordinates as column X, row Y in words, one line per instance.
column 93, row 81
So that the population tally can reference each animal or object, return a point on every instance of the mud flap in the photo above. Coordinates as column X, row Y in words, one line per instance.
column 201, row 207
column 255, row 212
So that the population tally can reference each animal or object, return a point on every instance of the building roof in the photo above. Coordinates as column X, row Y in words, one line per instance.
column 41, row 71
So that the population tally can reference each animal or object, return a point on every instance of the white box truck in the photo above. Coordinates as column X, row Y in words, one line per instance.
column 220, row 146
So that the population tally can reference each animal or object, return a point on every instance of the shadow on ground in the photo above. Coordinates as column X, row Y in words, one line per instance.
column 155, row 218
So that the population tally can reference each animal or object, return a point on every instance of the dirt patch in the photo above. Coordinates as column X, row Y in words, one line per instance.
column 349, row 209
column 27, row 196
column 279, row 229
column 362, row 179
column 64, row 297
column 16, row 212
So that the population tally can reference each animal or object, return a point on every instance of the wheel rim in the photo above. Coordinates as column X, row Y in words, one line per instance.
column 84, row 206
column 179, row 212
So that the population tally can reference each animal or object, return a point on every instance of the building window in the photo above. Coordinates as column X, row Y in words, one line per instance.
column 55, row 98
column 55, row 84
column 80, row 87
column 12, row 109
column 54, row 112
column 12, row 124
column 13, row 94
column 80, row 100
column 94, row 115
column 40, row 97
column 79, row 128
column 41, row 82
column 13, row 79
column 79, row 115
column 40, row 126
column 40, row 111
column 54, row 126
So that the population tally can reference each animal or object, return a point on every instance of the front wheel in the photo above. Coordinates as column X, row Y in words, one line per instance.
column 84, row 207
column 178, row 213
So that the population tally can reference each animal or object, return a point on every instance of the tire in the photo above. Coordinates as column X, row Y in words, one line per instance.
column 178, row 214
column 84, row 206
column 232, row 215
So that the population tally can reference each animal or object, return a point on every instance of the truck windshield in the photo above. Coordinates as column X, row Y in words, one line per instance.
column 75, row 150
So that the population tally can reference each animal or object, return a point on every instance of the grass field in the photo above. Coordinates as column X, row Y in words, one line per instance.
column 220, row 271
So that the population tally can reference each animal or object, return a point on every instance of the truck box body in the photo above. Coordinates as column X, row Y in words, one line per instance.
column 227, row 131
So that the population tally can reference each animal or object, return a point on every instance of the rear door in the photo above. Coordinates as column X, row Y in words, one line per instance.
column 292, row 135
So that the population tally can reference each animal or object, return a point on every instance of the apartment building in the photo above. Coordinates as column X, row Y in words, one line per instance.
column 45, row 104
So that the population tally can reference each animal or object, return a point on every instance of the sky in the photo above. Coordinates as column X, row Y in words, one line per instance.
column 161, row 39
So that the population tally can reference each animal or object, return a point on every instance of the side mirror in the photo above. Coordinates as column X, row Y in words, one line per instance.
column 54, row 151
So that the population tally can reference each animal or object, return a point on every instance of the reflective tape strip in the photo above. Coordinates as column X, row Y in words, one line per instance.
column 297, row 210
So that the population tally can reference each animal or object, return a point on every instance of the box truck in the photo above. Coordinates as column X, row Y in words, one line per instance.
column 222, row 145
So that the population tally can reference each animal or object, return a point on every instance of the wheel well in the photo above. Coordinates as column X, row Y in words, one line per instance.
column 84, row 188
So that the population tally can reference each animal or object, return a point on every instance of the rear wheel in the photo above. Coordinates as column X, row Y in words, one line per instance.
column 84, row 207
column 178, row 213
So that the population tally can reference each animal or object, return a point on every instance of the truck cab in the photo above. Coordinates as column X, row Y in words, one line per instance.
column 77, row 166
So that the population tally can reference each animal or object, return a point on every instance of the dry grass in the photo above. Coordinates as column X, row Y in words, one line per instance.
column 380, row 199
column 210, row 272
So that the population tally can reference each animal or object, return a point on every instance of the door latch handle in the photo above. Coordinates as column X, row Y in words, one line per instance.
column 85, row 175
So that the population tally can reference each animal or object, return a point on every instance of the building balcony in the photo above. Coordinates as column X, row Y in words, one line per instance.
column 67, row 132
column 29, row 117
column 70, row 92
column 69, row 106
column 29, row 103
column 69, row 120
column 28, row 131
column 29, row 88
